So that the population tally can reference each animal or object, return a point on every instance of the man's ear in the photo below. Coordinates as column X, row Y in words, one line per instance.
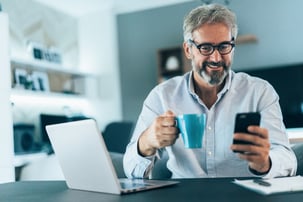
column 186, row 49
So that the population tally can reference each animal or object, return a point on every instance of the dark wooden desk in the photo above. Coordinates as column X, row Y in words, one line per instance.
column 217, row 189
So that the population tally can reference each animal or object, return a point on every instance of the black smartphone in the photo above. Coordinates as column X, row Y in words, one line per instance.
column 243, row 120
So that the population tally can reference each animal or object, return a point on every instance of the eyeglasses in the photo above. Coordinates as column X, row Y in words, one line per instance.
column 207, row 49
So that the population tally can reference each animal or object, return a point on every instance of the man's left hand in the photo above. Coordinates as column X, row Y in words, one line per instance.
column 256, row 153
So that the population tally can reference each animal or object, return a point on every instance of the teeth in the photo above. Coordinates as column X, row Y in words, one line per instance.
column 213, row 67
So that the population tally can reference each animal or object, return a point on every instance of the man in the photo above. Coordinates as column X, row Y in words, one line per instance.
column 214, row 89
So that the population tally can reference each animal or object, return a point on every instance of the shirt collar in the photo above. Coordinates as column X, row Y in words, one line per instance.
column 191, row 87
column 226, row 87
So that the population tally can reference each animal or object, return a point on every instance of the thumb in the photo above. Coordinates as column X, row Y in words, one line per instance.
column 169, row 113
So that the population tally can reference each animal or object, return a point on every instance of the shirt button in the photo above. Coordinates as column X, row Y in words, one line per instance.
column 209, row 127
column 209, row 153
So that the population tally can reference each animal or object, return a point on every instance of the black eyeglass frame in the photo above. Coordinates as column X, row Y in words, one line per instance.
column 214, row 47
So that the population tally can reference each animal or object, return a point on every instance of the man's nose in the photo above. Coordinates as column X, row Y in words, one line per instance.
column 216, row 56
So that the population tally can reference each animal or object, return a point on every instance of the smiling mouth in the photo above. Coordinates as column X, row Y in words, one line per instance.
column 213, row 65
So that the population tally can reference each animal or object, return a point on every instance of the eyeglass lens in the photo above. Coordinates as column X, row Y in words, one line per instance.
column 223, row 48
column 207, row 49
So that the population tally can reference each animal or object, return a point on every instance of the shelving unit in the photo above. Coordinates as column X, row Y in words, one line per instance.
column 246, row 39
column 62, row 87
column 172, row 62
column 49, row 78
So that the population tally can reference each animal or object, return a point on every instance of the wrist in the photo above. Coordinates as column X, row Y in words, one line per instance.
column 262, row 170
column 144, row 149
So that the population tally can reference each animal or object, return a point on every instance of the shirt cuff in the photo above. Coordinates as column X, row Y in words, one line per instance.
column 261, row 174
column 143, row 165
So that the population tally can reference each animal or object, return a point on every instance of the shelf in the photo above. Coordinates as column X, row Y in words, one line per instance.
column 47, row 66
column 21, row 160
column 172, row 62
column 247, row 38
column 47, row 78
column 31, row 93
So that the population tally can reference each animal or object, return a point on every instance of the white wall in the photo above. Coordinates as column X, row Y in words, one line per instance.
column 98, row 54
column 6, row 127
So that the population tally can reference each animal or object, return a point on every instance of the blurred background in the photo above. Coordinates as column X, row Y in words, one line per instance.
column 72, row 60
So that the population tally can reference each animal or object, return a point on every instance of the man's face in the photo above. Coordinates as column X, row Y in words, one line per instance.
column 212, row 68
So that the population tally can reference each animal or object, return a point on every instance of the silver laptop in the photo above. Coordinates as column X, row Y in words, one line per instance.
column 86, row 163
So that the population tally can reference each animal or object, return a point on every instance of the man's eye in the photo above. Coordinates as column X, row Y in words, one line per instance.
column 206, row 48
column 224, row 47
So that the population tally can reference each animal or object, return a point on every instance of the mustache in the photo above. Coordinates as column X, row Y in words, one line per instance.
column 217, row 64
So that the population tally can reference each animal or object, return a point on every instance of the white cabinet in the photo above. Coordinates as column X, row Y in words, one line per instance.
column 6, row 127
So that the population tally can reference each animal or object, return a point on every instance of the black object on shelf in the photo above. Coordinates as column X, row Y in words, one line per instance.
column 24, row 138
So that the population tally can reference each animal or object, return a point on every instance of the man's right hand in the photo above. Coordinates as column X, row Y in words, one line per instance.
column 161, row 133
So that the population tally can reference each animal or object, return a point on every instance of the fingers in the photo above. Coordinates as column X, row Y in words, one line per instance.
column 169, row 113
column 257, row 152
column 167, row 119
column 166, row 133
column 162, row 132
column 253, row 150
column 261, row 132
column 259, row 136
column 258, row 143
column 165, row 126
column 251, row 139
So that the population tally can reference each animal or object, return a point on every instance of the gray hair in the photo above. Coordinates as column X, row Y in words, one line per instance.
column 209, row 14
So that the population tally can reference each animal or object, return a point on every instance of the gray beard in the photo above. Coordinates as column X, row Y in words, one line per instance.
column 213, row 79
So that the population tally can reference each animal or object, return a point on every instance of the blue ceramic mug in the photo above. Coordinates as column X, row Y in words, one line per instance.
column 191, row 127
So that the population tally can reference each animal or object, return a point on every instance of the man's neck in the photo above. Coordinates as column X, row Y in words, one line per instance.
column 206, row 92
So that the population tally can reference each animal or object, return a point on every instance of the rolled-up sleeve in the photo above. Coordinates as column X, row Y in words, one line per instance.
column 284, row 163
column 136, row 166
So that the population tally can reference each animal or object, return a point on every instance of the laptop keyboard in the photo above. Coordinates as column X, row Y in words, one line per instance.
column 133, row 185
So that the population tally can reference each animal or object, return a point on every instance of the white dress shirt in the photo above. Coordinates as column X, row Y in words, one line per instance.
column 241, row 93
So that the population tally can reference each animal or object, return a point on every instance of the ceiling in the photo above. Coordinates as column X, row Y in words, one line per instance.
column 79, row 8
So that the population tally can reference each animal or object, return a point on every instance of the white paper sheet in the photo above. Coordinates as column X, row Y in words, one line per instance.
column 277, row 185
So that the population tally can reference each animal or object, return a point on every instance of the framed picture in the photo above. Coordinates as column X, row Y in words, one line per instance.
column 40, row 81
column 20, row 78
